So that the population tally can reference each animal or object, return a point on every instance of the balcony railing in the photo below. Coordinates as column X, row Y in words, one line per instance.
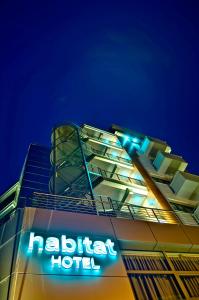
column 112, row 175
column 186, row 218
column 105, row 141
column 110, row 156
column 102, row 206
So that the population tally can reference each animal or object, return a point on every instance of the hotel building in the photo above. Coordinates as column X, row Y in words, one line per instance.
column 101, row 215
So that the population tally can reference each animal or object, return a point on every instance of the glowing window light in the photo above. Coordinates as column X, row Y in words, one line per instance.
column 114, row 154
column 151, row 202
column 106, row 141
column 124, row 172
column 126, row 138
column 137, row 200
column 135, row 140
column 131, row 147
column 137, row 176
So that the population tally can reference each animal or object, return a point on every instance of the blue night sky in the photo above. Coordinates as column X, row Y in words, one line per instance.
column 132, row 63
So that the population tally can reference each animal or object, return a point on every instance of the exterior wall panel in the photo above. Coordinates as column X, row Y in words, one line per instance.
column 31, row 287
column 170, row 237
column 192, row 232
column 133, row 234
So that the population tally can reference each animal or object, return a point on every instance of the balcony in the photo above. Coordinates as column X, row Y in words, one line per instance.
column 186, row 185
column 106, row 141
column 175, row 198
column 110, row 156
column 111, row 175
column 101, row 136
column 169, row 164
column 187, row 218
column 114, row 185
column 151, row 146
column 102, row 207
column 149, row 167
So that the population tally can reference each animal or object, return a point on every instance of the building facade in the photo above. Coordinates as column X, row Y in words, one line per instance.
column 101, row 215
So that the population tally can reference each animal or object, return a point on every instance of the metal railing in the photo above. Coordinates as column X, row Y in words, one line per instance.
column 112, row 175
column 105, row 140
column 186, row 218
column 90, row 150
column 110, row 156
column 102, row 206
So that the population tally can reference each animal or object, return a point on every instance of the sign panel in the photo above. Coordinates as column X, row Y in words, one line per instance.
column 65, row 252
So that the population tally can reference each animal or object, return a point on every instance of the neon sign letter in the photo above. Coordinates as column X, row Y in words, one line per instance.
column 62, row 250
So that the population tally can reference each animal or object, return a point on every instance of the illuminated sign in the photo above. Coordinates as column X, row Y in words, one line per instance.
column 68, row 253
